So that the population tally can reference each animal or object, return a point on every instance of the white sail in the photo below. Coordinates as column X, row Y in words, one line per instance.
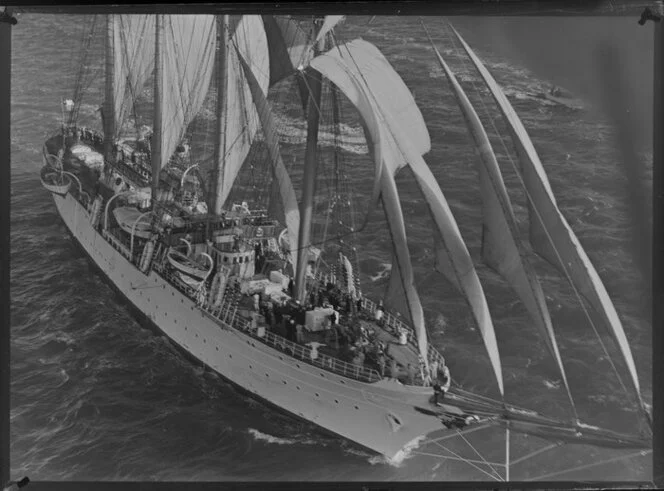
column 284, row 184
column 360, row 62
column 133, row 60
column 241, row 118
column 502, row 249
column 552, row 228
column 328, row 24
column 187, row 53
column 390, row 113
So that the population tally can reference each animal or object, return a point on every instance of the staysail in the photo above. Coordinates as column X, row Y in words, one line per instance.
column 502, row 249
column 133, row 60
column 289, row 45
column 395, row 125
column 187, row 57
column 284, row 184
column 551, row 235
column 241, row 119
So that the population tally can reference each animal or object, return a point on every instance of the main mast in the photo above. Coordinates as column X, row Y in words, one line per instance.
column 310, row 168
column 157, row 114
column 222, row 105
column 108, row 111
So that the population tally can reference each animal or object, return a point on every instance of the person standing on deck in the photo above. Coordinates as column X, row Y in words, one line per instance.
column 442, row 385
column 410, row 369
column 381, row 364
column 394, row 369
column 378, row 316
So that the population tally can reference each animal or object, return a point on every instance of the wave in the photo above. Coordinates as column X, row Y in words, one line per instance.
column 260, row 436
column 383, row 273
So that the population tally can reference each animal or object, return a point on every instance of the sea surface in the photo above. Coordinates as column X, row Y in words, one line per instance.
column 95, row 395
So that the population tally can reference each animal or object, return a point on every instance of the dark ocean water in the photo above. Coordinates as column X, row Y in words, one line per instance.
column 97, row 396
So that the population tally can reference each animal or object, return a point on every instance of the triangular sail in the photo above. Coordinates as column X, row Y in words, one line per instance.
column 284, row 184
column 289, row 45
column 133, row 60
column 187, row 58
column 241, row 118
column 545, row 216
column 502, row 249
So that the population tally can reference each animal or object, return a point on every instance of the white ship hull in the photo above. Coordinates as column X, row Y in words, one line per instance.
column 380, row 416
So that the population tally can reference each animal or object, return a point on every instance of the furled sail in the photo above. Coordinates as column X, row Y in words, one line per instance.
column 187, row 58
column 241, row 118
column 548, row 226
column 133, row 53
column 502, row 249
column 398, row 131
column 284, row 184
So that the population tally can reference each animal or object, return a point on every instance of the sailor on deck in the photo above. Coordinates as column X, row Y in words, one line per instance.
column 443, row 384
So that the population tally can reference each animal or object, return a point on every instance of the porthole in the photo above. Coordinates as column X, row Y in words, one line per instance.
column 357, row 407
column 251, row 367
column 285, row 383
column 267, row 375
column 336, row 401
column 204, row 340
column 230, row 356
column 297, row 365
column 173, row 293
column 281, row 358
column 163, row 287
column 196, row 334
column 322, row 375
column 217, row 348
column 343, row 382
column 317, row 394
column 298, row 387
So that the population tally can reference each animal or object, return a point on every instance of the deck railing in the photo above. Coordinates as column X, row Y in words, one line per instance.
column 228, row 313
column 395, row 324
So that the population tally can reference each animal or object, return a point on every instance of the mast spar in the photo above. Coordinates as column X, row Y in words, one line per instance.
column 108, row 111
column 222, row 110
column 157, row 115
column 310, row 168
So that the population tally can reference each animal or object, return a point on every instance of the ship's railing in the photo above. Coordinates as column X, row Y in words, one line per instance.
column 395, row 325
column 118, row 243
column 228, row 313
column 326, row 362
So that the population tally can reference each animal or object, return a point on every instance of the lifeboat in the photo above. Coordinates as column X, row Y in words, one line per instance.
column 185, row 264
column 55, row 181
column 132, row 221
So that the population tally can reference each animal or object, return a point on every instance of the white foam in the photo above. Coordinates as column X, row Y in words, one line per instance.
column 401, row 456
column 269, row 438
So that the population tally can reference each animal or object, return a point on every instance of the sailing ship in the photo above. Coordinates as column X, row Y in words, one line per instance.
column 244, row 286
